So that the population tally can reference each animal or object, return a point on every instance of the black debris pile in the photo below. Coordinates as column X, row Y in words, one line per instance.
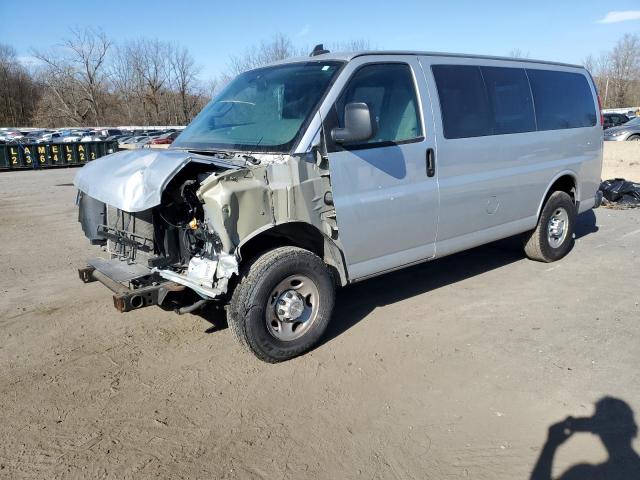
column 620, row 193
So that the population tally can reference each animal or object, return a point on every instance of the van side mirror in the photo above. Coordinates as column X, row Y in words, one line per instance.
column 358, row 126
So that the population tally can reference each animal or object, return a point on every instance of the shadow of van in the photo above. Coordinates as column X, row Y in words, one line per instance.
column 389, row 159
column 356, row 301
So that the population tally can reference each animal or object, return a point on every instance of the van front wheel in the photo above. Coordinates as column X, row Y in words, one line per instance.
column 553, row 237
column 282, row 304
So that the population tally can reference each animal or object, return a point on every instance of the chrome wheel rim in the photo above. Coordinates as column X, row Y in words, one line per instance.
column 558, row 227
column 292, row 308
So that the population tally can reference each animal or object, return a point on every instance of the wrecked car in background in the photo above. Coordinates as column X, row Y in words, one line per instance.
column 317, row 172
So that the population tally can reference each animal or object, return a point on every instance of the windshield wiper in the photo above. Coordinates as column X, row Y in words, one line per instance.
column 230, row 157
column 214, row 153
column 224, row 155
column 250, row 159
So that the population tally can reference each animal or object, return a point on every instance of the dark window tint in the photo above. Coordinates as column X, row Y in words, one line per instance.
column 562, row 100
column 463, row 101
column 389, row 92
column 510, row 100
column 621, row 119
column 615, row 120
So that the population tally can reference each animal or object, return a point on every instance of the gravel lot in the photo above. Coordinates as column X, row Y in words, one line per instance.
column 452, row 369
column 622, row 160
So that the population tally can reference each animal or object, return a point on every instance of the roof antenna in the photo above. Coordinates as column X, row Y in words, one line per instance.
column 318, row 50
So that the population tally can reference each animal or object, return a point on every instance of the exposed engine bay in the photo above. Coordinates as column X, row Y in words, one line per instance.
column 176, row 221
column 171, row 240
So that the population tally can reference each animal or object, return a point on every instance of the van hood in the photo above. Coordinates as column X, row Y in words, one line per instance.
column 134, row 180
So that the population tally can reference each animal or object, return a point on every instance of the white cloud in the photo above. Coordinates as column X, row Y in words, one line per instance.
column 623, row 16
column 28, row 60
column 304, row 31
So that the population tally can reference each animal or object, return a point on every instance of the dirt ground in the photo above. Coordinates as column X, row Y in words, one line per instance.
column 452, row 369
column 621, row 160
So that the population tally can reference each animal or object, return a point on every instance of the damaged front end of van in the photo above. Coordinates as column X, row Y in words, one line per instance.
column 177, row 225
column 174, row 224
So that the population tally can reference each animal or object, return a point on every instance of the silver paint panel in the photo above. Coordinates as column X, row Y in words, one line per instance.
column 491, row 185
column 386, row 206
column 485, row 188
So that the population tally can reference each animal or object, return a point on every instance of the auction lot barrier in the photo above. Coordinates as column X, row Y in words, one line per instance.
column 20, row 156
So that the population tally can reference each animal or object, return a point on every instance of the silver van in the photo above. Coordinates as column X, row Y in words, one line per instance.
column 318, row 172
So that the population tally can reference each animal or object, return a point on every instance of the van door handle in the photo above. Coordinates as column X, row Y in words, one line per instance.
column 431, row 162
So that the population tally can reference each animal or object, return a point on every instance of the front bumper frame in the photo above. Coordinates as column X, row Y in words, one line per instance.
column 126, row 299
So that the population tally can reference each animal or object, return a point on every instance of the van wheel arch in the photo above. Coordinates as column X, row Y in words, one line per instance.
column 564, row 182
column 296, row 234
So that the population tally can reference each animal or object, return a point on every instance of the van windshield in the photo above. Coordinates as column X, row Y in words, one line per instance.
column 261, row 110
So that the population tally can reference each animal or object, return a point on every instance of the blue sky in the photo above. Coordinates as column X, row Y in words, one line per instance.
column 562, row 30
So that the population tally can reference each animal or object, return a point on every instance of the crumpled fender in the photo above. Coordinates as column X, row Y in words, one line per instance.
column 134, row 180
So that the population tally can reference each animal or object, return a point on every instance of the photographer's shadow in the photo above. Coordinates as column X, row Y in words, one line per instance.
column 613, row 422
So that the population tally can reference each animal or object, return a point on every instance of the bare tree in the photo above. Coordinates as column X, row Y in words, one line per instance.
column 148, row 58
column 156, row 83
column 89, row 80
column 623, row 70
column 19, row 92
column 63, row 102
column 279, row 47
column 598, row 67
column 126, row 87
column 355, row 45
column 617, row 73
column 211, row 87
column 75, row 75
column 90, row 49
column 183, row 78
column 517, row 53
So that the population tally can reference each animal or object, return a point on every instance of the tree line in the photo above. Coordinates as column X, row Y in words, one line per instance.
column 19, row 91
column 617, row 73
column 90, row 80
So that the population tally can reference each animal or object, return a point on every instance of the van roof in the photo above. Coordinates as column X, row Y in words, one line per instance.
column 346, row 56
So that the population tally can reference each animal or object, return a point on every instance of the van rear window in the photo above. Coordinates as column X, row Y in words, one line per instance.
column 510, row 100
column 463, row 101
column 478, row 101
column 562, row 100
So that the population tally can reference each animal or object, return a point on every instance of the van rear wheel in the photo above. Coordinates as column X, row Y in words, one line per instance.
column 553, row 237
column 282, row 304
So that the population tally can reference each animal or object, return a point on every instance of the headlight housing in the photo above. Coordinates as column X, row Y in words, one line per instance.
column 617, row 133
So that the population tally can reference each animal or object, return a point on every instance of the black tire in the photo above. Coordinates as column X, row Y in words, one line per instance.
column 634, row 138
column 250, row 301
column 537, row 245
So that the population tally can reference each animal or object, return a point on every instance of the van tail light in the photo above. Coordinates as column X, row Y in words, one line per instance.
column 600, row 108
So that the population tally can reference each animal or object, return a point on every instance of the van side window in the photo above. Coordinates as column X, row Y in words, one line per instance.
column 510, row 99
column 463, row 101
column 562, row 100
column 389, row 91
